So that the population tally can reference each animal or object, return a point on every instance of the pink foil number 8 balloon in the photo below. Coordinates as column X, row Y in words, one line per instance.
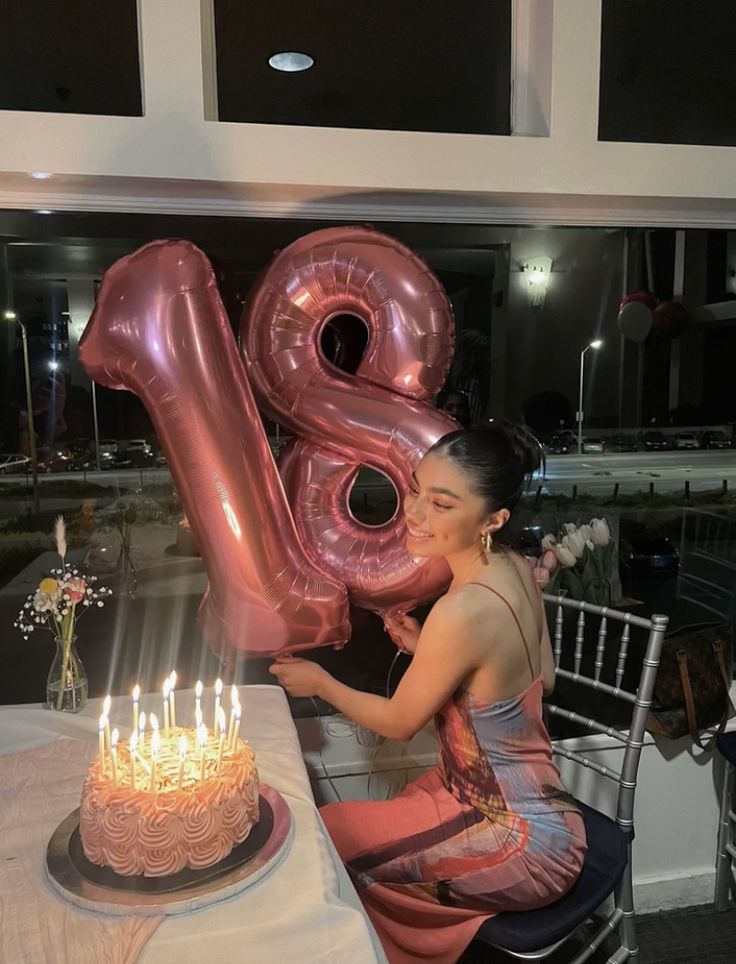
column 159, row 329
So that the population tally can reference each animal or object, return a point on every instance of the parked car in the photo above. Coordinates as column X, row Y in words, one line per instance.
column 686, row 440
column 622, row 443
column 594, row 445
column 139, row 452
column 655, row 441
column 14, row 462
column 559, row 444
column 647, row 552
column 55, row 459
column 715, row 440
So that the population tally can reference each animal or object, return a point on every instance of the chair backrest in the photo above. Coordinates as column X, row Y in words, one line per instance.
column 606, row 666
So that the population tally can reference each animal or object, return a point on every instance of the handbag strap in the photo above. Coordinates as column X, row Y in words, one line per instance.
column 692, row 719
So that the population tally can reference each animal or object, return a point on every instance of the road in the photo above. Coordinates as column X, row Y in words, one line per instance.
column 595, row 474
column 668, row 471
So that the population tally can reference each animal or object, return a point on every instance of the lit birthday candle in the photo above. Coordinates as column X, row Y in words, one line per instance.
column 167, row 691
column 133, row 754
column 155, row 744
column 106, row 705
column 114, row 736
column 202, row 736
column 218, row 694
column 136, row 697
column 222, row 723
column 182, row 758
column 234, row 703
column 236, row 729
column 198, row 721
column 101, row 749
column 172, row 701
column 142, row 730
column 198, row 697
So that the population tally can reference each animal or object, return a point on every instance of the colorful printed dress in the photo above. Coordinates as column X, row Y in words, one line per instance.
column 489, row 829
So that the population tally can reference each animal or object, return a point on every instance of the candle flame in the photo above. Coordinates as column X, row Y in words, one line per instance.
column 167, row 687
column 234, row 693
column 218, row 687
column 106, row 704
column 222, row 720
column 153, row 722
column 237, row 712
column 172, row 677
column 142, row 722
column 103, row 721
column 136, row 693
column 114, row 737
column 198, row 689
column 182, row 747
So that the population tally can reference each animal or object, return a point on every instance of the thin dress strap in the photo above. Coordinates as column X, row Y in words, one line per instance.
column 516, row 620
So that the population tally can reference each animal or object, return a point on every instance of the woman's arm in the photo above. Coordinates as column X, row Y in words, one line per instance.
column 446, row 656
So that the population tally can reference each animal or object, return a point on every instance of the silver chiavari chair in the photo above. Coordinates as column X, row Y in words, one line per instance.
column 606, row 665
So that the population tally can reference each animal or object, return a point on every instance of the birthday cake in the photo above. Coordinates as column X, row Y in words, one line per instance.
column 156, row 809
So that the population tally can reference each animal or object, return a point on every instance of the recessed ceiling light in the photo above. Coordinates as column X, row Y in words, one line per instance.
column 41, row 175
column 290, row 61
column 44, row 211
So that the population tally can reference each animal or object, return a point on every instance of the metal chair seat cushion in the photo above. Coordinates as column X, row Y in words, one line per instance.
column 603, row 867
column 726, row 744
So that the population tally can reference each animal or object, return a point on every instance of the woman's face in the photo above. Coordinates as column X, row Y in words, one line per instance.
column 444, row 516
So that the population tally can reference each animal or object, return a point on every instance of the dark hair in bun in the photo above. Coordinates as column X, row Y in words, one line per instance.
column 499, row 458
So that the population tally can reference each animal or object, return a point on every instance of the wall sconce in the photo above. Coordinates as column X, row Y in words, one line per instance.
column 537, row 272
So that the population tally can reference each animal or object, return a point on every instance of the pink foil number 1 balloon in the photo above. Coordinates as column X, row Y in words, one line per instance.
column 159, row 330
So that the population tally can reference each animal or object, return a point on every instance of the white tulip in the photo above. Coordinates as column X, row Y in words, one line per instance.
column 585, row 531
column 575, row 543
column 600, row 534
column 564, row 556
column 569, row 527
column 549, row 542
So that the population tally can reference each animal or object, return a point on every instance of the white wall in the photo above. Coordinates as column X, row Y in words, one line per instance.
column 173, row 159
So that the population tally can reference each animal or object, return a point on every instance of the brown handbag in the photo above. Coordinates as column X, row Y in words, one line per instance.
column 692, row 692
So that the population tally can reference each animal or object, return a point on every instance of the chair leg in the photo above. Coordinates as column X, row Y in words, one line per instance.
column 625, row 901
column 724, row 872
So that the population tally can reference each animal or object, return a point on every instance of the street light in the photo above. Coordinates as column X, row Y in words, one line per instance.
column 11, row 316
column 593, row 344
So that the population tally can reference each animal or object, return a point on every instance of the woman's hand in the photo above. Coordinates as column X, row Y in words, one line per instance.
column 404, row 630
column 299, row 677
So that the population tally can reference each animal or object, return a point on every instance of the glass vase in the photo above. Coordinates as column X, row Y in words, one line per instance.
column 66, row 684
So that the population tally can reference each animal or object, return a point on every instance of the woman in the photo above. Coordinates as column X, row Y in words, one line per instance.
column 491, row 828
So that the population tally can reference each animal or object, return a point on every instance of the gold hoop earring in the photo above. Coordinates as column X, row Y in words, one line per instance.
column 486, row 541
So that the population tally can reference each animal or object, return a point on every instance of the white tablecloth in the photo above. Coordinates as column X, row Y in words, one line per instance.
column 305, row 910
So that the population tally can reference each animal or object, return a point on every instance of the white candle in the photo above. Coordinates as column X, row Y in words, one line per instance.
column 172, row 702
column 236, row 730
column 142, row 730
column 155, row 743
column 133, row 753
column 106, row 704
column 223, row 726
column 101, row 750
column 114, row 736
column 218, row 694
column 234, row 701
column 167, row 690
column 202, row 734
column 182, row 757
column 136, row 697
column 198, row 721
column 198, row 697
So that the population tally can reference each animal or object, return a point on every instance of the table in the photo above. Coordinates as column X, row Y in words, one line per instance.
column 305, row 910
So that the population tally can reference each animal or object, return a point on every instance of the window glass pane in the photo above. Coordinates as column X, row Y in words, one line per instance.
column 667, row 72
column 75, row 58
column 421, row 66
